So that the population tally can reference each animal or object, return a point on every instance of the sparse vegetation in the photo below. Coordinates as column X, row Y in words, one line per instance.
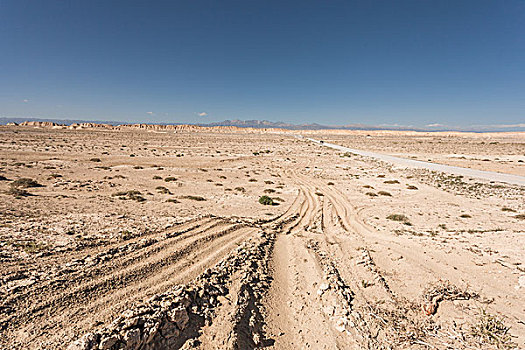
column 194, row 198
column 163, row 190
column 400, row 218
column 371, row 194
column 491, row 329
column 131, row 195
column 96, row 160
column 384, row 193
column 465, row 216
column 265, row 200
column 391, row 182
column 25, row 183
column 411, row 187
column 508, row 209
column 170, row 179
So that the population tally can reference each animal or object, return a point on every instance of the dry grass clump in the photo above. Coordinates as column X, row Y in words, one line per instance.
column 194, row 198
column 384, row 193
column 25, row 183
column 17, row 192
column 163, row 190
column 465, row 216
column 508, row 209
column 391, row 182
column 399, row 217
column 30, row 247
column 371, row 194
column 269, row 190
column 132, row 195
column 240, row 189
column 96, row 160
column 157, row 177
column 174, row 201
column 411, row 187
column 491, row 329
column 170, row 179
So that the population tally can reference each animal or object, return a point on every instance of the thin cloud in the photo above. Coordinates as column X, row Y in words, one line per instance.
column 150, row 113
column 435, row 125
column 203, row 114
column 25, row 100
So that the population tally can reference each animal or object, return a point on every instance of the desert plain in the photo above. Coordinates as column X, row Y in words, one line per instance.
column 213, row 238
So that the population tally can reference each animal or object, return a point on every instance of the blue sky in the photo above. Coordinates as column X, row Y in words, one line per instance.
column 332, row 62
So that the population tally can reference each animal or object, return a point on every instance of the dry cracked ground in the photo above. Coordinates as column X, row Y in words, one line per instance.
column 149, row 240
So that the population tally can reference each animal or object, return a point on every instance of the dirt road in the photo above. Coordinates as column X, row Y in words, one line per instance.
column 403, row 162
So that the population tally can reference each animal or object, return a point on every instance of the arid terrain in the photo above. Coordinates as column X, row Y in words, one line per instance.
column 144, row 238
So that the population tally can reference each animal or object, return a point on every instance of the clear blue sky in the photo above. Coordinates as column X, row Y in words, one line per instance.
column 333, row 62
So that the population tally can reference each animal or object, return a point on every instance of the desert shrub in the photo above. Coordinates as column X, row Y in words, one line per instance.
column 465, row 216
column 265, row 200
column 384, row 193
column 269, row 190
column 174, row 201
column 371, row 194
column 508, row 209
column 132, row 195
column 17, row 192
column 411, row 187
column 391, row 182
column 96, row 160
column 380, row 176
column 319, row 194
column 399, row 217
column 125, row 235
column 194, row 198
column 222, row 177
column 330, row 183
column 240, row 189
column 367, row 186
column 268, row 182
column 520, row 216
column 30, row 247
column 3, row 178
column 252, row 180
column 138, row 167
column 25, row 183
column 491, row 329
column 157, row 177
column 170, row 179
column 162, row 189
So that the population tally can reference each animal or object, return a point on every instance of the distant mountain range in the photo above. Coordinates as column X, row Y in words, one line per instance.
column 281, row 125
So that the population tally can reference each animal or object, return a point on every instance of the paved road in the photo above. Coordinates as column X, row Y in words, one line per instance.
column 480, row 174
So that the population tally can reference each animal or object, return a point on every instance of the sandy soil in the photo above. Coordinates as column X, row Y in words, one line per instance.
column 357, row 253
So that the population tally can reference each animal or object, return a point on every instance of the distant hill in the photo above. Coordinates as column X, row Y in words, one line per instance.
column 265, row 124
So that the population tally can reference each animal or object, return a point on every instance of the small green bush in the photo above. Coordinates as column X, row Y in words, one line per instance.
column 265, row 200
